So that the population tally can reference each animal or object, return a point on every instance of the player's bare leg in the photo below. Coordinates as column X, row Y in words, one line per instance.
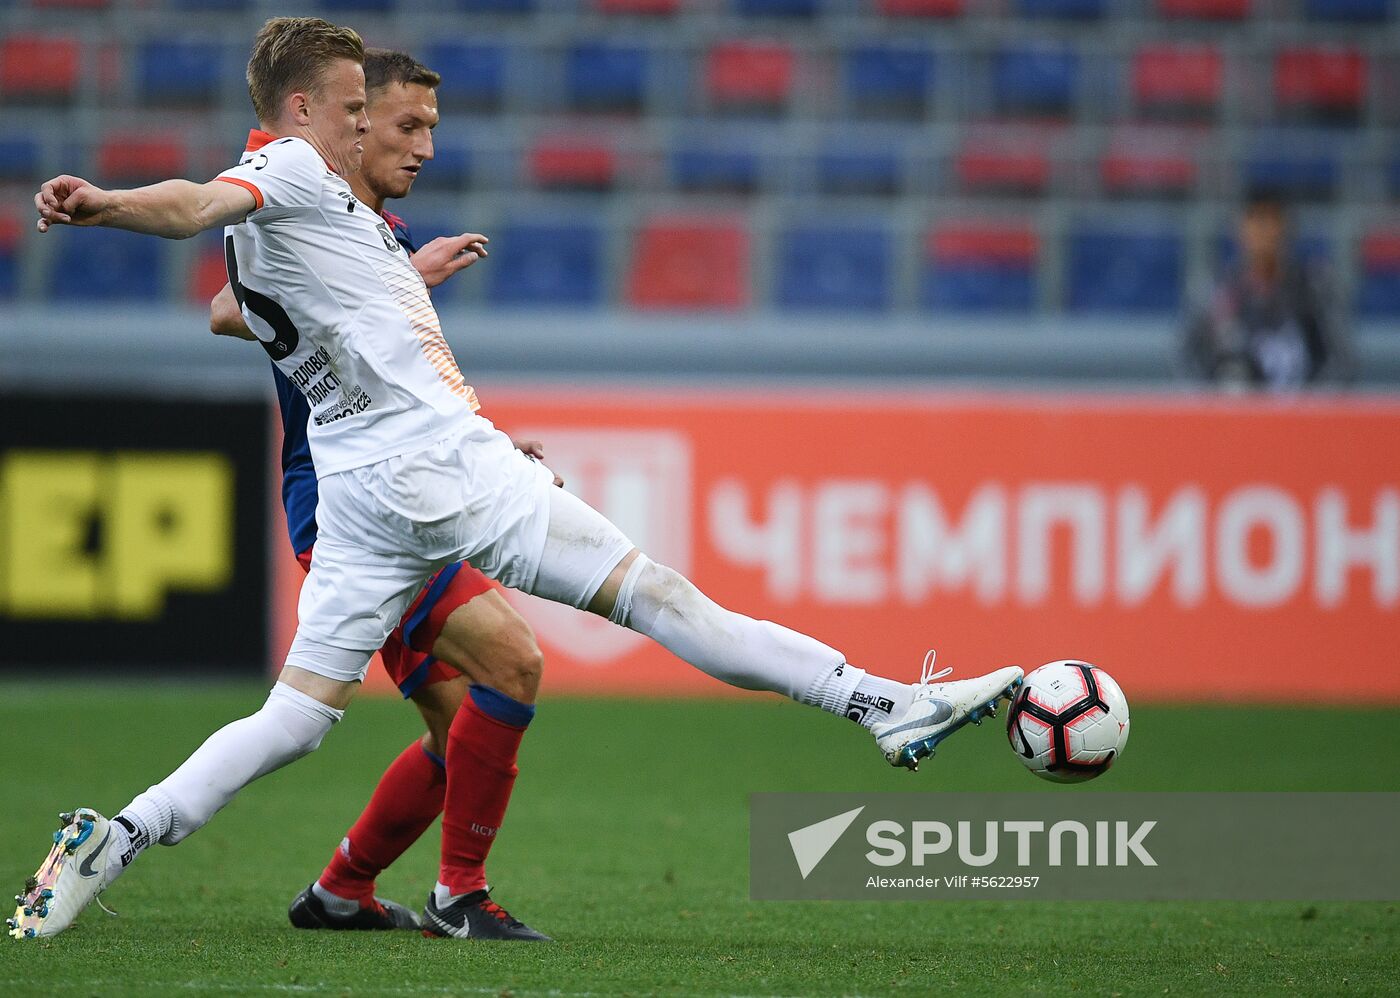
column 907, row 720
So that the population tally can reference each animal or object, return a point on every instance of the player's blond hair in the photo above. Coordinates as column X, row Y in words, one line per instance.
column 291, row 55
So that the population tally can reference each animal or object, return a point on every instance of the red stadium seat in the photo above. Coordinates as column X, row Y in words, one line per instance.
column 1178, row 78
column 39, row 66
column 1015, row 163
column 565, row 162
column 1205, row 10
column 749, row 74
column 982, row 242
column 1330, row 80
column 645, row 8
column 141, row 158
column 690, row 263
column 209, row 273
column 1380, row 250
column 1149, row 162
column 920, row 8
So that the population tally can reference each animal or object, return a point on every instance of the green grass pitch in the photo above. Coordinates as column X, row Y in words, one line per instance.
column 627, row 841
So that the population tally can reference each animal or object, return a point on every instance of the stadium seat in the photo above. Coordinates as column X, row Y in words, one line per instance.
column 606, row 77
column 102, row 263
column 73, row 4
column 1035, row 80
column 1205, row 10
column 473, row 75
column 223, row 5
column 141, row 159
column 209, row 272
column 546, row 264
column 889, row 79
column 1178, row 80
column 1378, row 287
column 497, row 6
column 919, row 8
column 1149, row 162
column 1291, row 168
column 992, row 162
column 39, row 67
column 856, row 167
column 689, row 263
column 180, row 72
column 572, row 163
column 369, row 6
column 1124, row 270
column 19, row 159
column 731, row 168
column 749, row 75
column 449, row 170
column 1347, row 10
column 776, row 8
column 639, row 8
column 979, row 267
column 1392, row 176
column 834, row 267
column 11, row 233
column 1327, row 82
column 1077, row 10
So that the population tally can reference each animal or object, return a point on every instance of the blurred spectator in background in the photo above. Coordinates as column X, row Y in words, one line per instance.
column 1268, row 322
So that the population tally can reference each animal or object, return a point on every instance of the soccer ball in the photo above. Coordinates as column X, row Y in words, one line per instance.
column 1068, row 722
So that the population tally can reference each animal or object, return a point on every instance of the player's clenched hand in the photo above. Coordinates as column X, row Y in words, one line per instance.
column 446, row 255
column 535, row 449
column 69, row 201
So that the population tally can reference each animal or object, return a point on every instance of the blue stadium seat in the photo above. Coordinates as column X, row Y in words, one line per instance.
column 211, row 4
column 776, row 8
column 719, row 168
column 1124, row 270
column 1293, row 171
column 1378, row 294
column 106, row 263
column 170, row 72
column 978, row 287
column 1082, row 10
column 855, row 276
column 449, row 169
column 497, row 6
column 889, row 78
column 546, row 264
column 607, row 77
column 19, row 159
column 1035, row 79
column 380, row 6
column 1393, row 176
column 849, row 168
column 473, row 75
column 1347, row 10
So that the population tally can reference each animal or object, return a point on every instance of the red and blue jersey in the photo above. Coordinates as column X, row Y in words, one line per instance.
column 299, row 493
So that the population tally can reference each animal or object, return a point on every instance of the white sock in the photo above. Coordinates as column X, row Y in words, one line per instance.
column 335, row 904
column 289, row 725
column 443, row 896
column 751, row 654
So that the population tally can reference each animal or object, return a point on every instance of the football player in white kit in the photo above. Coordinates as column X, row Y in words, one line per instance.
column 411, row 478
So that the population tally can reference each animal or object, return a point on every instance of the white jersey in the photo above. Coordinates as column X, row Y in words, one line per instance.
column 333, row 298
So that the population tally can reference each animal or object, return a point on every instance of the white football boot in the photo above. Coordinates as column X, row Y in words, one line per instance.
column 70, row 879
column 939, row 709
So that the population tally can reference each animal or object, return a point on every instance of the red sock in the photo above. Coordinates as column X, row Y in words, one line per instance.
column 481, row 771
column 409, row 797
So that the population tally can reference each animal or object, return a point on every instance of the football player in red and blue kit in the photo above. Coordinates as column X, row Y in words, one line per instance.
column 461, row 654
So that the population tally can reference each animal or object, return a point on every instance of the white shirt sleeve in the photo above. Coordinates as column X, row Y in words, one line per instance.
column 283, row 176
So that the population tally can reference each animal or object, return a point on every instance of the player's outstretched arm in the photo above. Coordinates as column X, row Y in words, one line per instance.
column 226, row 318
column 446, row 255
column 175, row 209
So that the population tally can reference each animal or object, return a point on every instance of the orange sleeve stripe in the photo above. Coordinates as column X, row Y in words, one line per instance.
column 250, row 188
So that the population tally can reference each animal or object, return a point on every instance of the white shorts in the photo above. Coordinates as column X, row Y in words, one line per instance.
column 384, row 528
